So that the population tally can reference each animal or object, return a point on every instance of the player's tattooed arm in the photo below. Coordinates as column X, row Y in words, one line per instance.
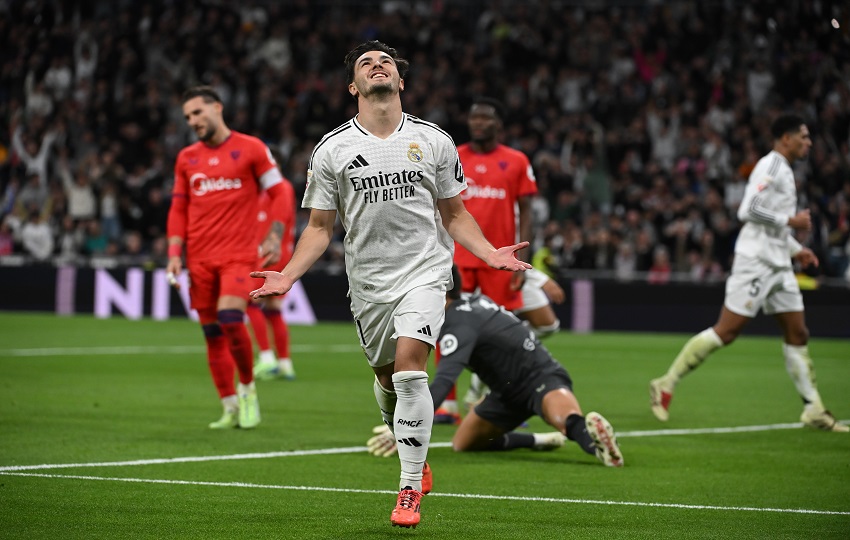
column 270, row 249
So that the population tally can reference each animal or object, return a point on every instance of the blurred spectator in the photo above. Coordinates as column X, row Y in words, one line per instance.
column 625, row 262
column 36, row 237
column 82, row 202
column 651, row 111
column 33, row 195
column 33, row 152
column 71, row 239
column 7, row 238
column 154, row 214
column 94, row 242
column 660, row 271
column 110, row 221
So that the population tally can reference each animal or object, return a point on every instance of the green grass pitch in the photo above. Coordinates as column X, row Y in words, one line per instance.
column 103, row 435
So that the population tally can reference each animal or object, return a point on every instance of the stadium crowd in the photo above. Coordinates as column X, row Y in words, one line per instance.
column 642, row 120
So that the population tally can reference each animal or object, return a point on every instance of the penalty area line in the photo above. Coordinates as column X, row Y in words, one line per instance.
column 679, row 506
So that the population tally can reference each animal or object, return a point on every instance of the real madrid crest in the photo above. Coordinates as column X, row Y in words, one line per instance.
column 415, row 153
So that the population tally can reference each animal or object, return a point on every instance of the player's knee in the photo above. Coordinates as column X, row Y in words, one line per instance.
column 797, row 336
column 727, row 335
column 545, row 331
column 271, row 313
column 230, row 316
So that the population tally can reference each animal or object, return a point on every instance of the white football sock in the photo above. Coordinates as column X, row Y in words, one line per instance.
column 414, row 418
column 692, row 355
column 230, row 403
column 545, row 331
column 802, row 371
column 242, row 389
column 267, row 357
column 386, row 402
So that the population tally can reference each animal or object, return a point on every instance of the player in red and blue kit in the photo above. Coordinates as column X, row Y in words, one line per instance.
column 279, row 219
column 500, row 184
column 217, row 182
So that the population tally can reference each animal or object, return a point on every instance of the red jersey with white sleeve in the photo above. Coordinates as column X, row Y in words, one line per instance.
column 281, row 209
column 215, row 197
column 496, row 180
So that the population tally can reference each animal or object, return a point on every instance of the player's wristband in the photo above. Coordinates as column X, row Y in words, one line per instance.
column 175, row 250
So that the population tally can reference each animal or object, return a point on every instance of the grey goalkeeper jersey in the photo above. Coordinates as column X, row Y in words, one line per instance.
column 481, row 336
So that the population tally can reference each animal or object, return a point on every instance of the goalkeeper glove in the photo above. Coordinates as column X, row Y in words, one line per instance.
column 383, row 443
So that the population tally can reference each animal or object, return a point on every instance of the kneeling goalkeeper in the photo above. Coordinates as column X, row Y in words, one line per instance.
column 524, row 381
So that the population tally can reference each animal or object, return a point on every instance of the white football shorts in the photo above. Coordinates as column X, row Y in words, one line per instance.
column 533, row 296
column 754, row 285
column 418, row 314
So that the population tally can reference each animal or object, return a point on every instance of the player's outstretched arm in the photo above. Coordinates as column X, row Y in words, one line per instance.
column 465, row 230
column 312, row 244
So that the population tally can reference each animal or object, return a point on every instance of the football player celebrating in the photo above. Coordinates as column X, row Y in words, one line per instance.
column 395, row 182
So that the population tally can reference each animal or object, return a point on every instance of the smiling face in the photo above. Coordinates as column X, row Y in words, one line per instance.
column 375, row 74
column 204, row 117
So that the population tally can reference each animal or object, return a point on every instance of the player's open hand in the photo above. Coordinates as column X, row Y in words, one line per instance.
column 504, row 258
column 383, row 443
column 276, row 284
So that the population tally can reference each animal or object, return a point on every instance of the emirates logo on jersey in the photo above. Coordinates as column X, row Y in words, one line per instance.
column 200, row 184
column 473, row 191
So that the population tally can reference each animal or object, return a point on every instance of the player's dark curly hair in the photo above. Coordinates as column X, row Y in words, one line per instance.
column 786, row 123
column 208, row 94
column 401, row 64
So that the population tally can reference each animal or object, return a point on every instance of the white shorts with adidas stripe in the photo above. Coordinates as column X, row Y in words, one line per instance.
column 418, row 314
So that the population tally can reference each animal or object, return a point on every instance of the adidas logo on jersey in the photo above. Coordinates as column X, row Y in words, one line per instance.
column 425, row 330
column 357, row 163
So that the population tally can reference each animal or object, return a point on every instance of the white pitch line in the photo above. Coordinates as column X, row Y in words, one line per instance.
column 455, row 495
column 704, row 431
column 174, row 349
column 357, row 449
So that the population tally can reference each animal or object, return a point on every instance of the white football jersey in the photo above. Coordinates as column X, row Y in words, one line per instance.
column 386, row 192
column 769, row 200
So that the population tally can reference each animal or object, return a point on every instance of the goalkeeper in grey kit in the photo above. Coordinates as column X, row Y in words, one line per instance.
column 524, row 380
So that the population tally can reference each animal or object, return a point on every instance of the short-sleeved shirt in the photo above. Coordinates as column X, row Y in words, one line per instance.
column 222, row 185
column 496, row 180
column 283, row 210
column 480, row 335
column 385, row 192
